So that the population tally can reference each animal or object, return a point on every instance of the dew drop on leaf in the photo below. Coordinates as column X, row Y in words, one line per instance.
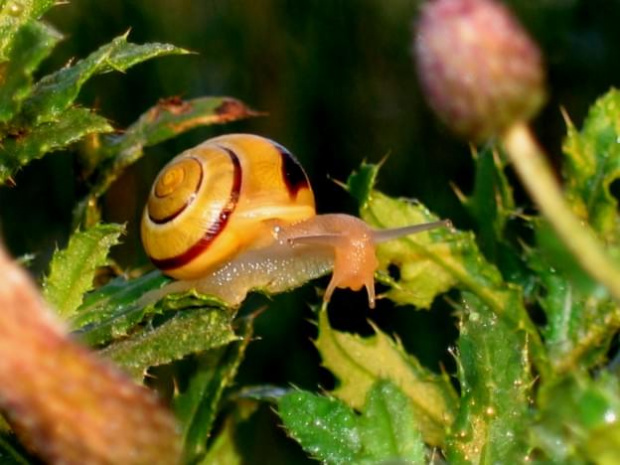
column 610, row 416
column 15, row 9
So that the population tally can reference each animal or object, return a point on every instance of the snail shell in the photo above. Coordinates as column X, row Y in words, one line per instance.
column 219, row 199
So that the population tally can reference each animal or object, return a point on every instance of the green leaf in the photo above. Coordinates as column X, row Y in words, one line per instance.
column 164, row 121
column 421, row 258
column 491, row 203
column 197, row 406
column 430, row 263
column 593, row 163
column 579, row 419
column 72, row 270
column 15, row 14
column 187, row 332
column 496, row 388
column 171, row 117
column 22, row 147
column 434, row 262
column 358, row 363
column 325, row 427
column 581, row 319
column 360, row 182
column 497, row 331
column 33, row 42
column 54, row 93
column 127, row 54
column 113, row 310
column 331, row 432
column 387, row 427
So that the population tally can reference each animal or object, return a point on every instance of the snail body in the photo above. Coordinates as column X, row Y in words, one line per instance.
column 237, row 213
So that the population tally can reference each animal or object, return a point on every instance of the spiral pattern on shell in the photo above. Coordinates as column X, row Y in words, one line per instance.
column 220, row 198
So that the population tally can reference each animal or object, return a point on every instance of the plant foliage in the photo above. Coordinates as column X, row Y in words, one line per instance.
column 522, row 390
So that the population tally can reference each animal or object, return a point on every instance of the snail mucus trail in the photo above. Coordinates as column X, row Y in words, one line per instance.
column 237, row 213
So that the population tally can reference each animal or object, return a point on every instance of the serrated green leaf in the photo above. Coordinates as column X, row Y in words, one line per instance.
column 187, row 332
column 387, row 428
column 196, row 407
column 430, row 263
column 581, row 318
column 54, row 93
column 165, row 120
column 72, row 270
column 496, row 388
column 128, row 55
column 361, row 182
column 21, row 148
column 325, row 427
column 113, row 310
column 491, row 205
column 360, row 362
column 421, row 257
column 434, row 262
column 491, row 202
column 14, row 14
column 171, row 117
column 32, row 43
column 593, row 163
column 331, row 432
column 579, row 420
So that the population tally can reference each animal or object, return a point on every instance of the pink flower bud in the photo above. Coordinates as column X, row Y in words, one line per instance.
column 479, row 69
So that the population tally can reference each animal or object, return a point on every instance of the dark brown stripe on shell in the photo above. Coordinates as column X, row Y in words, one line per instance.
column 189, row 201
column 293, row 174
column 214, row 230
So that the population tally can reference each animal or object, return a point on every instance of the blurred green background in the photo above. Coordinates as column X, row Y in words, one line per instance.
column 339, row 84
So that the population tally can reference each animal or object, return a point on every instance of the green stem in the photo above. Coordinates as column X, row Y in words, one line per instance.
column 537, row 176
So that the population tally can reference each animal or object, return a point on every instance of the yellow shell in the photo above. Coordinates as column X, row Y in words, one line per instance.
column 220, row 198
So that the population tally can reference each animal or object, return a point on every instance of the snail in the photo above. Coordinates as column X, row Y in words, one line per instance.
column 237, row 213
